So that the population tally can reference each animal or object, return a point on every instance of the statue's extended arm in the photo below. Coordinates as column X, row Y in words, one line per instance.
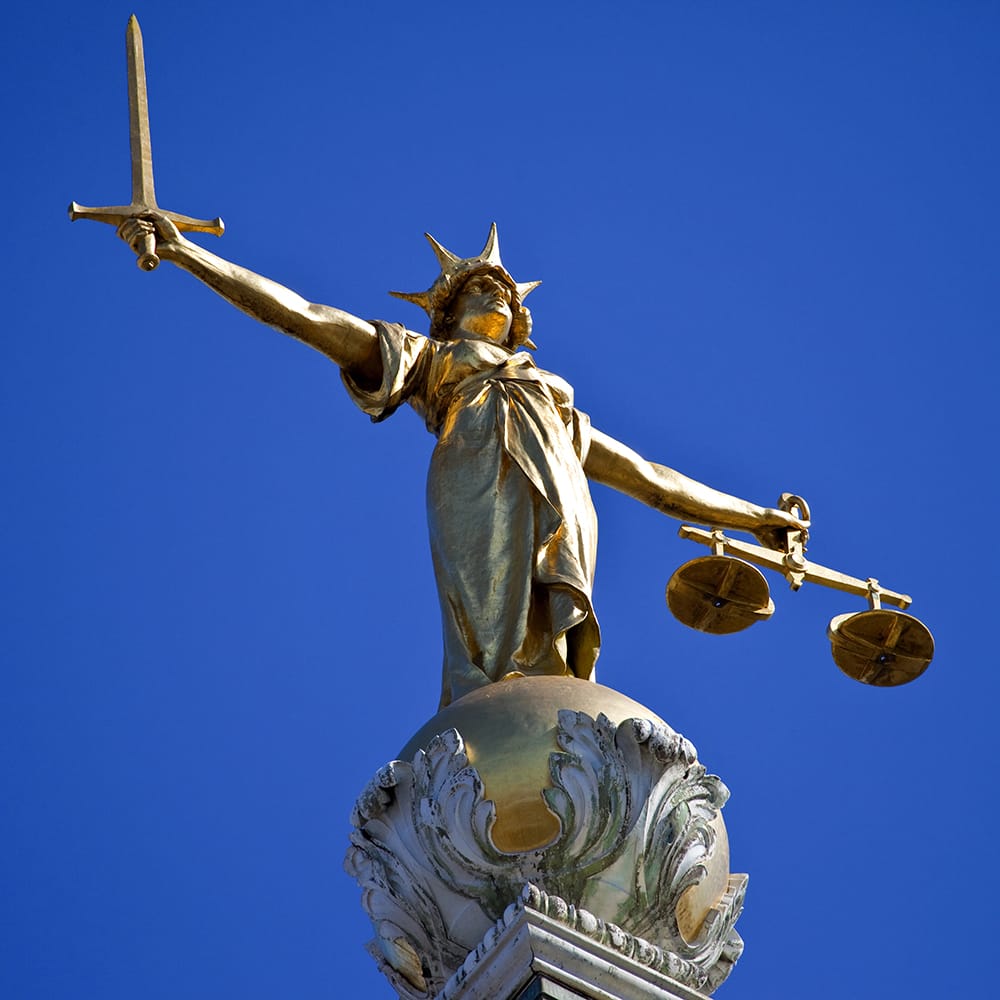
column 618, row 466
column 349, row 341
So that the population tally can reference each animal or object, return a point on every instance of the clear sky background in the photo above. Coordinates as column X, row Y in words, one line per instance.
column 768, row 236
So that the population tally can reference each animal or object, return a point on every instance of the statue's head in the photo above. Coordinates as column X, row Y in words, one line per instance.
column 477, row 295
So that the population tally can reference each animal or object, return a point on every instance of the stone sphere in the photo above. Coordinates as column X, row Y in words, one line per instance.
column 509, row 730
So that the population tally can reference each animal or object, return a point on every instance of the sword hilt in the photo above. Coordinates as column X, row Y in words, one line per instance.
column 115, row 215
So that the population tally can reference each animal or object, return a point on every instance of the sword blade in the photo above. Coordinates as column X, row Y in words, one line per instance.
column 143, row 193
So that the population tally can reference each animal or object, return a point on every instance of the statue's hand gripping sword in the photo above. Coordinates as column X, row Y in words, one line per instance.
column 143, row 195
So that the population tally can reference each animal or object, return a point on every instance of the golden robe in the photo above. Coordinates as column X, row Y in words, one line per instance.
column 512, row 525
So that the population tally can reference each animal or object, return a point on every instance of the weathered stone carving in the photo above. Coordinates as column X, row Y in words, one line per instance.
column 637, row 819
column 526, row 940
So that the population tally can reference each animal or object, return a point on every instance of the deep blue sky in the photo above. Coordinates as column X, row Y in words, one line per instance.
column 768, row 235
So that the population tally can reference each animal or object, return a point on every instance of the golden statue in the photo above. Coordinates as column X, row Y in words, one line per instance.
column 513, row 529
column 512, row 525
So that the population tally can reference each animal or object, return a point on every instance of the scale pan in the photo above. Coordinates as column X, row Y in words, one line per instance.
column 719, row 594
column 881, row 647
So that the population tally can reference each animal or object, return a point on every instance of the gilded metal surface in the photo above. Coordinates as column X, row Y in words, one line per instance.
column 513, row 529
column 143, row 194
column 791, row 565
column 718, row 594
column 458, row 272
column 509, row 731
column 880, row 647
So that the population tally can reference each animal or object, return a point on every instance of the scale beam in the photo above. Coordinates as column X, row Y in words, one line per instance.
column 793, row 567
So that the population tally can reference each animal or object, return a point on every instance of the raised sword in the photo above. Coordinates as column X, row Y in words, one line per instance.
column 143, row 194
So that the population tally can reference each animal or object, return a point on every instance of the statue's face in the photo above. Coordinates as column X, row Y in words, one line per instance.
column 482, row 309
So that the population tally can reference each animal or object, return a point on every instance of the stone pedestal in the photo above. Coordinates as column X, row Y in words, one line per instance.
column 531, row 955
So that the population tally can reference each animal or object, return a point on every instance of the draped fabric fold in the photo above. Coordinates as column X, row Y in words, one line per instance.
column 512, row 525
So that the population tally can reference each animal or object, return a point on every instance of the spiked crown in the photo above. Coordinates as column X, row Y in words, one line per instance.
column 455, row 271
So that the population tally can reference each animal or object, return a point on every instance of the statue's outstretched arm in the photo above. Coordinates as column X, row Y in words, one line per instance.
column 614, row 464
column 349, row 341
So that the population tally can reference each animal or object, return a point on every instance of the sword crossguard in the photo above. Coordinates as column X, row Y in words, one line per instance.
column 115, row 215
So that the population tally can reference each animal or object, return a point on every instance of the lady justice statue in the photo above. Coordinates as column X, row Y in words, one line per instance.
column 512, row 525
